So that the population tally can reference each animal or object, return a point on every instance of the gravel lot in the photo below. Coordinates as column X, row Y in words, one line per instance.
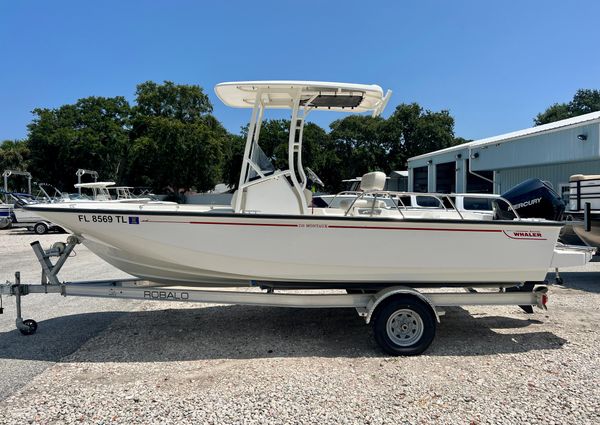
column 115, row 361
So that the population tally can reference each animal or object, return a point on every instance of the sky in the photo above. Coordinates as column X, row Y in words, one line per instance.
column 493, row 65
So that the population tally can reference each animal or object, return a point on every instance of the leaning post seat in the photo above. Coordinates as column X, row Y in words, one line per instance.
column 374, row 181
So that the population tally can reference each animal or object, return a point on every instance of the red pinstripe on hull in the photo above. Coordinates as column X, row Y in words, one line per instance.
column 329, row 226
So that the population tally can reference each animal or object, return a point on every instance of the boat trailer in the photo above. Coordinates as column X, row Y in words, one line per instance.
column 404, row 319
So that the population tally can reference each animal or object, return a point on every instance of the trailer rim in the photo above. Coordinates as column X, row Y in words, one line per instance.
column 404, row 327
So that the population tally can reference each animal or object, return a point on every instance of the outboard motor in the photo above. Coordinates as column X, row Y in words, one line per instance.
column 532, row 198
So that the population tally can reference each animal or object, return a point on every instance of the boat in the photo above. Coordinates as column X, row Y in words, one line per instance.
column 101, row 192
column 271, row 235
column 584, row 207
column 19, row 202
column 6, row 211
column 109, row 192
column 23, row 217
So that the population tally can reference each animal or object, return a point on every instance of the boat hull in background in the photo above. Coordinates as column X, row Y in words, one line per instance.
column 591, row 237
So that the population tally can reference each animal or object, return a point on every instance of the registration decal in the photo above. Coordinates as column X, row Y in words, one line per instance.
column 105, row 218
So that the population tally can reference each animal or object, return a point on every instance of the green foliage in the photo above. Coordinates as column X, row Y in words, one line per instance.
column 182, row 102
column 169, row 139
column 14, row 155
column 364, row 144
column 317, row 150
column 584, row 101
column 91, row 134
column 556, row 112
column 176, row 154
column 233, row 153
column 358, row 148
column 175, row 142
column 415, row 131
column 358, row 144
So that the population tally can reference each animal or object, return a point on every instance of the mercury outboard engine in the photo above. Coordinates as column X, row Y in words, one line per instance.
column 533, row 198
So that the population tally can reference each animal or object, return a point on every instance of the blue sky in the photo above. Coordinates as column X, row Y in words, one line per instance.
column 494, row 65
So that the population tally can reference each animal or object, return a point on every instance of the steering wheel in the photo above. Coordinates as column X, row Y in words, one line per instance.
column 312, row 176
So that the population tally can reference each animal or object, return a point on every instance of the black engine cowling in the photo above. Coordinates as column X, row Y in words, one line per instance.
column 532, row 198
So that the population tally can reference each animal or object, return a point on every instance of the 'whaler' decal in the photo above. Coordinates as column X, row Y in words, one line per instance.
column 532, row 235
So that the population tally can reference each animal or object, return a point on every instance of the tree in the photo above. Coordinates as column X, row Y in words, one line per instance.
column 14, row 155
column 182, row 102
column 363, row 144
column 175, row 142
column 233, row 153
column 358, row 144
column 358, row 147
column 414, row 131
column 317, row 151
column 91, row 134
column 584, row 101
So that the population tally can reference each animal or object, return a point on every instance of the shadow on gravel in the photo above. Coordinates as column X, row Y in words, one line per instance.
column 240, row 332
column 584, row 281
column 15, row 232
column 56, row 338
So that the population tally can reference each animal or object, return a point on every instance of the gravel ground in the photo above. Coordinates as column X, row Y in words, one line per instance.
column 66, row 323
column 197, row 363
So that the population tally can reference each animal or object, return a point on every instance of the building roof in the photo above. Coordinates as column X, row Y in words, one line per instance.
column 540, row 129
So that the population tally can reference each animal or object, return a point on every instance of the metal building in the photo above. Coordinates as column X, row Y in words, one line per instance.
column 551, row 152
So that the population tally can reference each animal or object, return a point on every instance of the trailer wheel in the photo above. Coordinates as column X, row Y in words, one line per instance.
column 29, row 327
column 404, row 326
column 40, row 229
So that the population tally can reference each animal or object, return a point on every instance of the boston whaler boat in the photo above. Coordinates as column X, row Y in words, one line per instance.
column 270, row 236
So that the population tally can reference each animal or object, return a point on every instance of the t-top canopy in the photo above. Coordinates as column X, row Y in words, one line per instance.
column 94, row 185
column 344, row 97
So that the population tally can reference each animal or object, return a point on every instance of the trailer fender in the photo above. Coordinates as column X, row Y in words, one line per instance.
column 386, row 293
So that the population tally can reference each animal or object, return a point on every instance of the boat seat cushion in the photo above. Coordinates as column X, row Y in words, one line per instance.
column 373, row 181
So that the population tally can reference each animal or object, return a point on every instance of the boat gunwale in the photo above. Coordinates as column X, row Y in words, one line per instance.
column 207, row 214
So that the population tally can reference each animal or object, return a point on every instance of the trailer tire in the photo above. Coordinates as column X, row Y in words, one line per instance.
column 40, row 228
column 404, row 326
column 29, row 327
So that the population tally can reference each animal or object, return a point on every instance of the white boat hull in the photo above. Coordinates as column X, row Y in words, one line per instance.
column 202, row 248
column 26, row 216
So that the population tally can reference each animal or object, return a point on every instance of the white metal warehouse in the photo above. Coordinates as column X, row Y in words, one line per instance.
column 551, row 152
